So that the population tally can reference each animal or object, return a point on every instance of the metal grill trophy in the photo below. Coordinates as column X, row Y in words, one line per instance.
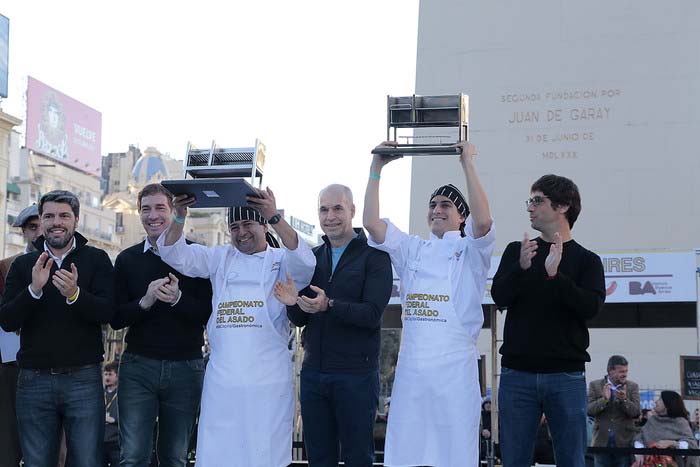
column 218, row 175
column 423, row 112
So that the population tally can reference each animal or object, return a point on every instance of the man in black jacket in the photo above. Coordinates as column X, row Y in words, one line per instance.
column 341, row 312
column 59, row 296
column 551, row 287
column 162, row 369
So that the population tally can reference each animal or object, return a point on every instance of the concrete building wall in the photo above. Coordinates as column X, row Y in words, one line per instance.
column 622, row 78
column 37, row 174
column 606, row 93
column 7, row 123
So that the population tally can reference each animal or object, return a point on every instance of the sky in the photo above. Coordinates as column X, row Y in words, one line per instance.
column 309, row 78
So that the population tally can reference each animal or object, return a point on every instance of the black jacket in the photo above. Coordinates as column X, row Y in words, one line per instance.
column 163, row 332
column 345, row 338
column 55, row 334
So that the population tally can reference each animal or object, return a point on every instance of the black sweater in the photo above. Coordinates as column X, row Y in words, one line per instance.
column 55, row 334
column 163, row 332
column 346, row 337
column 545, row 330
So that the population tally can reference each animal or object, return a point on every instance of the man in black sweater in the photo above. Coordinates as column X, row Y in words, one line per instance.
column 551, row 286
column 59, row 296
column 341, row 312
column 162, row 369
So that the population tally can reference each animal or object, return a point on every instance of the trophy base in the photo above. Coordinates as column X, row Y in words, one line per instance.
column 212, row 192
column 417, row 150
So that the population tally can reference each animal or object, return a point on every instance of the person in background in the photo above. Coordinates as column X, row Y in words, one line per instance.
column 110, row 379
column 614, row 402
column 669, row 428
column 28, row 221
column 485, row 435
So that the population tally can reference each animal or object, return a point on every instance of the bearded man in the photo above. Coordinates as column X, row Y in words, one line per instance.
column 59, row 296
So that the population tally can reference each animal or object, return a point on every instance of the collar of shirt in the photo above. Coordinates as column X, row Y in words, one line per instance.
column 57, row 260
column 148, row 247
column 447, row 235
column 613, row 387
column 261, row 254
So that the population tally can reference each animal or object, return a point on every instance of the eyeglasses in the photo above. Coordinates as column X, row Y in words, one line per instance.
column 535, row 201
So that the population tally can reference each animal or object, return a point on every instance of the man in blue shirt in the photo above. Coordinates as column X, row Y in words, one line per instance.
column 341, row 312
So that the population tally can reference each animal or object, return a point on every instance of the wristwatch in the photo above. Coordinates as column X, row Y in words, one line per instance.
column 330, row 303
column 274, row 219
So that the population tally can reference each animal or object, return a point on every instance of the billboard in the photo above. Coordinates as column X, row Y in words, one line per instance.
column 4, row 53
column 62, row 128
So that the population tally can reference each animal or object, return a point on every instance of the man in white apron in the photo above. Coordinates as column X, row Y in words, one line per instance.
column 435, row 402
column 248, row 395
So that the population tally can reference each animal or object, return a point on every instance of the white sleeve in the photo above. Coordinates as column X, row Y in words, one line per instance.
column 191, row 260
column 480, row 249
column 396, row 244
column 300, row 263
column 638, row 444
column 682, row 444
column 31, row 292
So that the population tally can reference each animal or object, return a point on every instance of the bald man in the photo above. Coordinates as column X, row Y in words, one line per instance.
column 341, row 312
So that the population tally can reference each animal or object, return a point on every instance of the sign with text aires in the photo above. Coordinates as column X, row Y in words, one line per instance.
column 639, row 277
column 650, row 277
column 630, row 277
column 60, row 127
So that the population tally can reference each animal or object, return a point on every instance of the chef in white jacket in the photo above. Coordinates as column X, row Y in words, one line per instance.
column 248, row 396
column 435, row 401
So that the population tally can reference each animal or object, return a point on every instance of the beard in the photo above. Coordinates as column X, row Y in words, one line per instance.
column 62, row 241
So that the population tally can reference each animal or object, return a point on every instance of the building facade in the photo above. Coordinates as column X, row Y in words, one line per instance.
column 604, row 94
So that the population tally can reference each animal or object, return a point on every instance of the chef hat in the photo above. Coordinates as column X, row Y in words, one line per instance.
column 245, row 213
column 453, row 194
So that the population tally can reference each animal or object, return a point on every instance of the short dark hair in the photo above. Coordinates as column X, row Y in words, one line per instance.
column 154, row 189
column 111, row 366
column 561, row 191
column 60, row 196
column 674, row 404
column 616, row 360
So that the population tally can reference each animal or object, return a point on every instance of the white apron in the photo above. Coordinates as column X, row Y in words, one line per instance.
column 248, row 395
column 435, row 403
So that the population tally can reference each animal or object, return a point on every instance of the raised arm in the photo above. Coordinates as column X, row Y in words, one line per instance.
column 267, row 205
column 476, row 196
column 370, row 216
column 177, row 226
